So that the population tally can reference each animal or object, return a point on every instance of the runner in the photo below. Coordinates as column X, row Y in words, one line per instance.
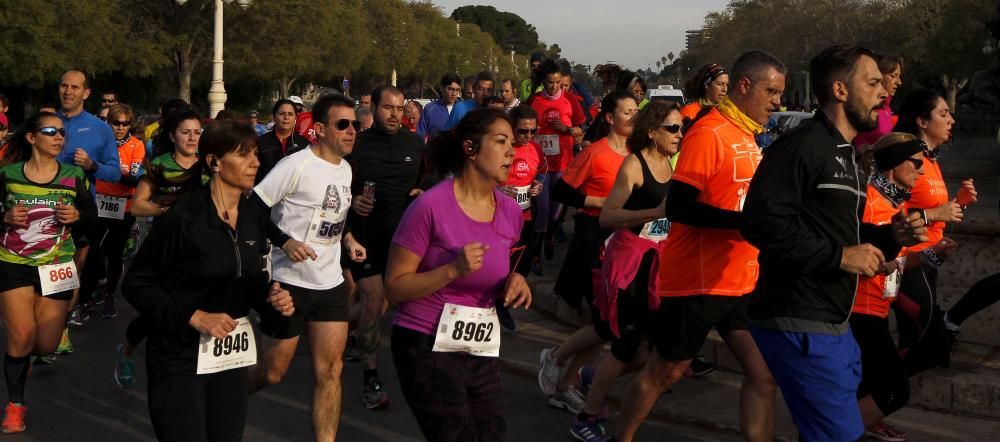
column 484, row 83
column 634, row 84
column 387, row 162
column 282, row 140
column 706, row 267
column 41, row 198
column 585, row 185
column 635, row 208
column 114, row 222
column 708, row 87
column 436, row 112
column 309, row 194
column 891, row 68
column 201, row 269
column 813, row 245
column 508, row 94
column 168, row 107
column 533, row 84
column 446, row 280
column 168, row 177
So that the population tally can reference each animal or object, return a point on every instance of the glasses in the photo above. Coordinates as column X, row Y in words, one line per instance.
column 125, row 123
column 672, row 128
column 917, row 163
column 103, row 117
column 52, row 131
column 453, row 90
column 342, row 124
column 527, row 131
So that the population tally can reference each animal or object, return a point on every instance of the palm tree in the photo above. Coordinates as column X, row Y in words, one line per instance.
column 670, row 56
column 658, row 66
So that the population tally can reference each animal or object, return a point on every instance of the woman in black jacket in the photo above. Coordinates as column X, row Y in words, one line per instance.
column 195, row 279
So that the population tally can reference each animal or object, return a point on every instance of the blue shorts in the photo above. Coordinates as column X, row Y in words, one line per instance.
column 818, row 375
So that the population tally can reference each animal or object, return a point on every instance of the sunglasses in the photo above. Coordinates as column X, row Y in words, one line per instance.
column 342, row 124
column 102, row 118
column 672, row 128
column 527, row 131
column 917, row 163
column 122, row 123
column 52, row 131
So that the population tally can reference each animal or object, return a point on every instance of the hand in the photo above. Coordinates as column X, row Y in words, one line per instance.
column 470, row 258
column 297, row 251
column 950, row 212
column 596, row 202
column 355, row 250
column 862, row 259
column 967, row 194
column 363, row 205
column 508, row 190
column 558, row 125
column 415, row 192
column 281, row 300
column 82, row 159
column 67, row 214
column 516, row 292
column 945, row 247
column 17, row 216
column 536, row 188
column 909, row 230
column 218, row 325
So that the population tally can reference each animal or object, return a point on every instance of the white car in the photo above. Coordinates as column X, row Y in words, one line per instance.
column 666, row 92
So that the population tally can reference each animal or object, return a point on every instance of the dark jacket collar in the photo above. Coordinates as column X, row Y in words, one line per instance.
column 822, row 119
column 212, row 214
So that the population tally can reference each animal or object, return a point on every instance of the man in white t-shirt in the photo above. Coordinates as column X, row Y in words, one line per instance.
column 309, row 193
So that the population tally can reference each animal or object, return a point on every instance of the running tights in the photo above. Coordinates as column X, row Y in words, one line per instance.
column 199, row 408
column 15, row 370
column 983, row 294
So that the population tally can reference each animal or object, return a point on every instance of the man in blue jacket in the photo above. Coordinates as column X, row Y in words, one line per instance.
column 482, row 89
column 436, row 113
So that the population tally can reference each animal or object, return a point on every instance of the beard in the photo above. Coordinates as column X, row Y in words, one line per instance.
column 860, row 116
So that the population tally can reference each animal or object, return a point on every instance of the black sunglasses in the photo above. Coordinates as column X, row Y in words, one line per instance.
column 122, row 123
column 917, row 163
column 527, row 131
column 672, row 128
column 52, row 131
column 342, row 124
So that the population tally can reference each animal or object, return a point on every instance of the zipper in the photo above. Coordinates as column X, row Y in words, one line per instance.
column 236, row 249
column 857, row 224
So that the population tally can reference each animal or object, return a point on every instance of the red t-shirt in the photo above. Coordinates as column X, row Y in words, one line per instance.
column 304, row 126
column 869, row 301
column 593, row 171
column 528, row 162
column 557, row 147
column 929, row 192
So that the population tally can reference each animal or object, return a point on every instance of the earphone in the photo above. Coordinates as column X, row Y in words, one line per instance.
column 472, row 148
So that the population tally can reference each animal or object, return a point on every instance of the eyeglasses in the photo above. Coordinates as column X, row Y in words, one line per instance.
column 917, row 163
column 52, row 131
column 453, row 90
column 102, row 118
column 527, row 131
column 672, row 128
column 125, row 123
column 342, row 124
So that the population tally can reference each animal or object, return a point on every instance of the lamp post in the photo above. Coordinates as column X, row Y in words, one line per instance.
column 217, row 92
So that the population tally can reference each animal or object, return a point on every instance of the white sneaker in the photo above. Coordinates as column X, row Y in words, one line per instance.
column 571, row 400
column 549, row 373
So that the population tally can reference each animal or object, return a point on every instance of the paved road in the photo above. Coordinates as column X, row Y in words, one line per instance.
column 77, row 400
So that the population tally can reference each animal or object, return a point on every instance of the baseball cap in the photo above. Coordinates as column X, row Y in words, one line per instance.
column 296, row 99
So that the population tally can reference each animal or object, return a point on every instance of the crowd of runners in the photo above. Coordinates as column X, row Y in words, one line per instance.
column 340, row 213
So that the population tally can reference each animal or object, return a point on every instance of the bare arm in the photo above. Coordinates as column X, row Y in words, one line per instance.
column 141, row 202
column 614, row 215
column 403, row 283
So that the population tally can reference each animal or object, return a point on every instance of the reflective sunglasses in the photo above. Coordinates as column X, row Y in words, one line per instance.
column 342, row 124
column 917, row 163
column 52, row 131
column 122, row 123
column 527, row 131
column 672, row 128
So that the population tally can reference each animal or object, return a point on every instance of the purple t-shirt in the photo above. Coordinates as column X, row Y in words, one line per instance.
column 436, row 228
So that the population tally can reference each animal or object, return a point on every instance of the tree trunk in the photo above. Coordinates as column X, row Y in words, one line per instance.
column 951, row 87
column 184, row 66
column 285, row 86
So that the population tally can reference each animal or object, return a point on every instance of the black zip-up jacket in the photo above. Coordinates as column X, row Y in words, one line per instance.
column 270, row 151
column 192, row 260
column 804, row 205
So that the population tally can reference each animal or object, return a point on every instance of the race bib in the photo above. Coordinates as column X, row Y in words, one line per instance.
column 549, row 144
column 522, row 198
column 58, row 278
column 472, row 330
column 325, row 228
column 110, row 207
column 656, row 230
column 238, row 349
column 891, row 288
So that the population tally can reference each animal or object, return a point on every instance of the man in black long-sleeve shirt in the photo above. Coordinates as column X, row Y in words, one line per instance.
column 803, row 212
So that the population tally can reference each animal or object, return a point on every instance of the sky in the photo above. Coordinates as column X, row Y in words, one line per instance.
column 633, row 33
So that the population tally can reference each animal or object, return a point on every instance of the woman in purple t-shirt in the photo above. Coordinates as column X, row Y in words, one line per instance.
column 448, row 263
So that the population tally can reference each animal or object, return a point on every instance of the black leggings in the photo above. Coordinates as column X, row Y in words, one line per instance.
column 882, row 373
column 136, row 331
column 454, row 396
column 110, row 236
column 208, row 407
column 583, row 258
column 980, row 296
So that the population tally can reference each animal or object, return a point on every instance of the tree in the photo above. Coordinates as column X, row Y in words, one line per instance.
column 509, row 30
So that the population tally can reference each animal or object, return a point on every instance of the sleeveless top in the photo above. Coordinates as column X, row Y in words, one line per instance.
column 649, row 195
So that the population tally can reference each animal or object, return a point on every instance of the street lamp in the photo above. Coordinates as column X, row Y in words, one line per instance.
column 217, row 93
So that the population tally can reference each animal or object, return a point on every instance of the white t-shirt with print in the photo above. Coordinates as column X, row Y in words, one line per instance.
column 309, row 199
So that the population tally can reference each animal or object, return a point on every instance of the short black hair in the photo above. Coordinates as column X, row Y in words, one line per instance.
column 835, row 63
column 485, row 76
column 449, row 78
column 754, row 65
column 321, row 108
column 523, row 112
column 379, row 91
column 282, row 102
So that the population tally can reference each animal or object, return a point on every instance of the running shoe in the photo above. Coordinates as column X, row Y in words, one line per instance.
column 375, row 398
column 352, row 353
column 65, row 346
column 124, row 368
column 506, row 320
column 13, row 419
column 549, row 372
column 882, row 431
column 590, row 429
column 109, row 310
column 586, row 376
column 76, row 317
column 571, row 400
column 48, row 359
column 701, row 367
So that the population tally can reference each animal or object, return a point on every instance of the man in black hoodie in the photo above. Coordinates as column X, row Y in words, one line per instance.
column 803, row 212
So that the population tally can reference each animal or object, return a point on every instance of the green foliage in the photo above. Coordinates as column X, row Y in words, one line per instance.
column 509, row 30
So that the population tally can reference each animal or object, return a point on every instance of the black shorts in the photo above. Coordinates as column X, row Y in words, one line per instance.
column 377, row 254
column 683, row 323
column 328, row 305
column 14, row 276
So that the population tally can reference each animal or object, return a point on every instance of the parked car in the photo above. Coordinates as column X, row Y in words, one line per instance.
column 778, row 124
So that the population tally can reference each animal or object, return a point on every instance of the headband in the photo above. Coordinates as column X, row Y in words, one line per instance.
column 714, row 71
column 893, row 155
